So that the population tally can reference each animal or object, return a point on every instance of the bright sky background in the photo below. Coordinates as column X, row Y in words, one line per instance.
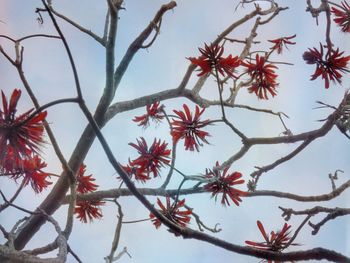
column 161, row 67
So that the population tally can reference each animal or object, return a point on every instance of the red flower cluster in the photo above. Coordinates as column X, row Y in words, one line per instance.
column 173, row 213
column 29, row 168
column 212, row 59
column 187, row 127
column 136, row 171
column 87, row 209
column 342, row 16
column 280, row 42
column 263, row 77
column 152, row 159
column 20, row 138
column 223, row 183
column 154, row 112
column 23, row 133
column 275, row 242
column 85, row 182
column 330, row 67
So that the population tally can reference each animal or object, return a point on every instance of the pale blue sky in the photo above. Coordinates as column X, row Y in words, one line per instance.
column 161, row 67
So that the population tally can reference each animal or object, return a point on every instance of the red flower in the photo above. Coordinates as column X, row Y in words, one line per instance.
column 173, row 213
column 152, row 159
column 22, row 134
column 33, row 173
column 136, row 171
column 263, row 77
column 85, row 182
column 88, row 210
column 276, row 242
column 212, row 59
column 342, row 17
column 223, row 183
column 280, row 42
column 188, row 128
column 328, row 68
column 30, row 169
column 154, row 112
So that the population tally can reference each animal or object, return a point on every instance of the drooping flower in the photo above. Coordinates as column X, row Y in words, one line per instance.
column 263, row 77
column 85, row 182
column 329, row 67
column 281, row 42
column 24, row 135
column 342, row 16
column 173, row 213
column 153, row 158
column 30, row 169
column 211, row 58
column 135, row 170
column 153, row 112
column 188, row 127
column 223, row 183
column 88, row 210
column 277, row 241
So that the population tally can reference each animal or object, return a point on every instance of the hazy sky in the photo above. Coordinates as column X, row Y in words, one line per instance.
column 162, row 67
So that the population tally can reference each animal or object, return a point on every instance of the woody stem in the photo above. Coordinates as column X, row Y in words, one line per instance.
column 220, row 93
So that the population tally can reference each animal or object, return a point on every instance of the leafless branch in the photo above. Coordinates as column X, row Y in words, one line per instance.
column 110, row 258
column 76, row 25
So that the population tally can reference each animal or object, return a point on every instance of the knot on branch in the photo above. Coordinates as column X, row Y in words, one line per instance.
column 287, row 213
column 315, row 227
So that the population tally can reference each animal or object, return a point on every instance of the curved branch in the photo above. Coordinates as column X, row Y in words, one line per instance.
column 79, row 27
column 139, row 41
column 116, row 193
column 311, row 135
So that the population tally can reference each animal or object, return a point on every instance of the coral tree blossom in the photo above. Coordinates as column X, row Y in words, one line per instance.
column 30, row 169
column 151, row 159
column 263, row 77
column 223, row 183
column 330, row 67
column 24, row 133
column 188, row 127
column 20, row 138
column 173, row 213
column 342, row 16
column 85, row 182
column 153, row 112
column 277, row 241
column 33, row 174
column 136, row 171
column 88, row 210
column 211, row 58
column 281, row 42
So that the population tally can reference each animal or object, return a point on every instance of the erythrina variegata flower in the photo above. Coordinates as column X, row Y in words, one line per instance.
column 263, row 77
column 24, row 133
column 33, row 174
column 88, row 210
column 329, row 67
column 173, row 213
column 30, row 168
column 223, row 183
column 137, row 171
column 188, row 127
column 281, row 42
column 153, row 158
column 85, row 182
column 153, row 112
column 211, row 58
column 277, row 241
column 342, row 16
